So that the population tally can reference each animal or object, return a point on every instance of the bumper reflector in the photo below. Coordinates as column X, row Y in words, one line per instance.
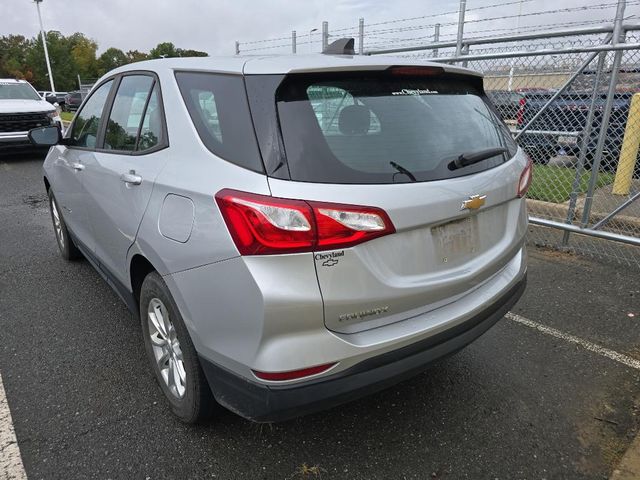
column 292, row 374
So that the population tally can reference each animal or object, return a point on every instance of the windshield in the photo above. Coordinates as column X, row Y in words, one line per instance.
column 17, row 91
column 381, row 127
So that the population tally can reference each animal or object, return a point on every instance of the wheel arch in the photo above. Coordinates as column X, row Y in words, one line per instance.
column 139, row 268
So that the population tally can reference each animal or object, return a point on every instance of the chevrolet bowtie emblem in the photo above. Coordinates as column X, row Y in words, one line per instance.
column 474, row 202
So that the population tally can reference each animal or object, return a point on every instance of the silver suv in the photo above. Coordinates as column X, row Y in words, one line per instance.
column 293, row 231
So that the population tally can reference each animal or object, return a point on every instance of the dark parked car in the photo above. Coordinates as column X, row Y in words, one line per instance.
column 53, row 97
column 72, row 101
column 507, row 103
column 567, row 116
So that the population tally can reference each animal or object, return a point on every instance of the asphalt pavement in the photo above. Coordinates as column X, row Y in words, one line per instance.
column 518, row 403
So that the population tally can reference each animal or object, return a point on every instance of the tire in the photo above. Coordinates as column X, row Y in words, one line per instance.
column 68, row 249
column 184, row 384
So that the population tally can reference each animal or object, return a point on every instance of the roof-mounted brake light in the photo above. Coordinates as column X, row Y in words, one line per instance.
column 416, row 71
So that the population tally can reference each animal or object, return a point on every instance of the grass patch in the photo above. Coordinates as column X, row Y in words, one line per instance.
column 554, row 183
column 66, row 116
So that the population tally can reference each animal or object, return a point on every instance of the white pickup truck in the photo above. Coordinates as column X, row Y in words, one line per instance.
column 21, row 109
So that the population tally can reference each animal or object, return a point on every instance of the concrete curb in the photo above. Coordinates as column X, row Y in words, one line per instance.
column 629, row 467
column 558, row 211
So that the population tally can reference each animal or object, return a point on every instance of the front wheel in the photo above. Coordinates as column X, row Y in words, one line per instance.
column 173, row 357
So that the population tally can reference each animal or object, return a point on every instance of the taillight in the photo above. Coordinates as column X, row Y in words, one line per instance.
column 292, row 374
column 263, row 225
column 525, row 179
column 341, row 226
column 520, row 114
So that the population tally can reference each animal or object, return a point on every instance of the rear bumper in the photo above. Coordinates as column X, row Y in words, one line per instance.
column 269, row 403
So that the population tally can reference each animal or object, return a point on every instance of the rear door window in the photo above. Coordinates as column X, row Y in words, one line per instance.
column 127, row 111
column 383, row 127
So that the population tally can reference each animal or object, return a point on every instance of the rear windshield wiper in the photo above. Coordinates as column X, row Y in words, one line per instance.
column 469, row 158
column 403, row 170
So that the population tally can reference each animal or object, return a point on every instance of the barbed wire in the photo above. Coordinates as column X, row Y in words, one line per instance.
column 499, row 31
column 434, row 15
column 410, row 28
column 483, row 7
column 381, row 35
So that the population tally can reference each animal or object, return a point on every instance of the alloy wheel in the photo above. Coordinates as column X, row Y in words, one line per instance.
column 166, row 348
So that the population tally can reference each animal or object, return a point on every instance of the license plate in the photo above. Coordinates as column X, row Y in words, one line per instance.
column 566, row 140
column 456, row 239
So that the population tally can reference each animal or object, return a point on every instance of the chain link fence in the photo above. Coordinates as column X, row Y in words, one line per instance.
column 576, row 113
column 571, row 97
column 573, row 103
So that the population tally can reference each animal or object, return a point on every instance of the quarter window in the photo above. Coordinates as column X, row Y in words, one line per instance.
column 151, row 128
column 217, row 105
column 87, row 121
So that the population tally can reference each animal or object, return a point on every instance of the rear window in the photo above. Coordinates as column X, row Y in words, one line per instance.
column 218, row 108
column 383, row 127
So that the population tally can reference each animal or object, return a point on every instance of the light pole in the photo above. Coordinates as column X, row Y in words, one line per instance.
column 44, row 43
column 512, row 69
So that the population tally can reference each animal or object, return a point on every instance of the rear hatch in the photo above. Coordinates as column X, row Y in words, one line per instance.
column 390, row 140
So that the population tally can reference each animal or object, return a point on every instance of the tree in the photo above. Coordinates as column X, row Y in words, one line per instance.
column 63, row 66
column 71, row 56
column 13, row 57
column 83, row 51
column 164, row 50
column 110, row 59
column 191, row 53
column 136, row 56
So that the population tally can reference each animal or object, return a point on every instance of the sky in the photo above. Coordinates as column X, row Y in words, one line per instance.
column 214, row 26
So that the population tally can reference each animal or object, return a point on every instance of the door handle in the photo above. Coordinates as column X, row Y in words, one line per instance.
column 131, row 178
column 77, row 166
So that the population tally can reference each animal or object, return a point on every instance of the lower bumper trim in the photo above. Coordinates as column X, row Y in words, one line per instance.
column 262, row 403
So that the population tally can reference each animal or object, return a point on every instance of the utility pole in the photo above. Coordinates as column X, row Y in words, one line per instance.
column 512, row 69
column 44, row 43
column 461, row 12
column 325, row 35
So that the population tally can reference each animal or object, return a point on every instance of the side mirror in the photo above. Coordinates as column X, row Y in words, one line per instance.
column 51, row 99
column 45, row 136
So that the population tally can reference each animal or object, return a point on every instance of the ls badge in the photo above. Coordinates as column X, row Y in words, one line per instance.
column 474, row 202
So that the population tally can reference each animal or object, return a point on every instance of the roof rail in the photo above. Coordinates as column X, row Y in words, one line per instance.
column 342, row 46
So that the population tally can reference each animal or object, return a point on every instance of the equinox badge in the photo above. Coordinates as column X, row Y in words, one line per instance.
column 474, row 202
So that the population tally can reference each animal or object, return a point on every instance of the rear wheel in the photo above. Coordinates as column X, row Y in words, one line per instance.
column 172, row 355
column 68, row 249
